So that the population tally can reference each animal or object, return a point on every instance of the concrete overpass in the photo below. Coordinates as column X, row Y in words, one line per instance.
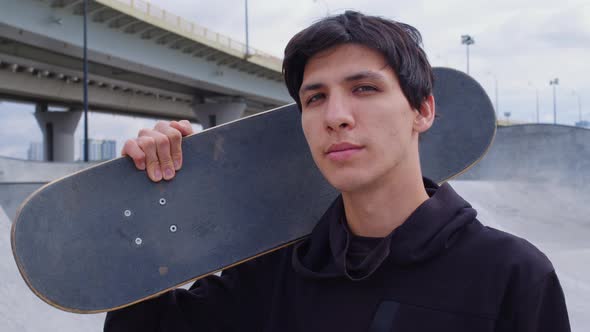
column 143, row 61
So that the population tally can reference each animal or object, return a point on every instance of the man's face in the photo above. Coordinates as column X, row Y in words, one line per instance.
column 360, row 128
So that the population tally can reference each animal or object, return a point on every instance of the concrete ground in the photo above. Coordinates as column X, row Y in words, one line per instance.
column 554, row 220
column 23, row 311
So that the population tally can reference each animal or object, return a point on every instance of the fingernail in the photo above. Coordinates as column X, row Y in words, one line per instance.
column 177, row 164
column 168, row 173
column 158, row 174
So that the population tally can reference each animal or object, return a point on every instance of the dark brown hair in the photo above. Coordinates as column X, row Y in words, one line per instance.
column 399, row 43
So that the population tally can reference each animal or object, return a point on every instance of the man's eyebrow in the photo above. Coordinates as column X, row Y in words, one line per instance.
column 364, row 75
column 351, row 78
column 311, row 87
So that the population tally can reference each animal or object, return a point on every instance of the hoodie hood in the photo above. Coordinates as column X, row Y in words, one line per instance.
column 427, row 232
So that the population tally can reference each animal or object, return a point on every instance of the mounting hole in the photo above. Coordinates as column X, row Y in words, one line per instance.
column 162, row 201
column 127, row 213
column 138, row 241
column 173, row 228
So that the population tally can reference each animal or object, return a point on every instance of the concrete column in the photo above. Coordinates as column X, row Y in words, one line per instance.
column 213, row 114
column 58, row 133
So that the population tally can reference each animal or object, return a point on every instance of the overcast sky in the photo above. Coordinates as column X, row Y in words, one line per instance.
column 520, row 43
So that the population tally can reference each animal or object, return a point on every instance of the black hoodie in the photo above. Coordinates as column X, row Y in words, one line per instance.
column 441, row 270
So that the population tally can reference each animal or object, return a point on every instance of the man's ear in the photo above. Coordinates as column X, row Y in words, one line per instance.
column 424, row 117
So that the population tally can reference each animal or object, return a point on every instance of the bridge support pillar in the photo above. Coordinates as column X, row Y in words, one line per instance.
column 58, row 133
column 213, row 114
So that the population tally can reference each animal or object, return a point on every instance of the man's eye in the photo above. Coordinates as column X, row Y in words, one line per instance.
column 314, row 98
column 365, row 88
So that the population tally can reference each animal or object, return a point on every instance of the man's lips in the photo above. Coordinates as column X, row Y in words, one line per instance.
column 342, row 151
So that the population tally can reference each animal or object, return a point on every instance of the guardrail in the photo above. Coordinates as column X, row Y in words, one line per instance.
column 191, row 29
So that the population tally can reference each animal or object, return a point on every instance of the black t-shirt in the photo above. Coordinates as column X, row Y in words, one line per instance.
column 358, row 249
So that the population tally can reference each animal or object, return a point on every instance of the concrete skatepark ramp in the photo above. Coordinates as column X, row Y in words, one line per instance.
column 19, row 178
column 532, row 183
column 13, row 194
column 537, row 153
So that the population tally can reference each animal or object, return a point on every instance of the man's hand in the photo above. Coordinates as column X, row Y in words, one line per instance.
column 159, row 149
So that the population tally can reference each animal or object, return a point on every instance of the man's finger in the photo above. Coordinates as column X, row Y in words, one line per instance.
column 133, row 150
column 148, row 145
column 163, row 153
column 175, row 139
column 183, row 126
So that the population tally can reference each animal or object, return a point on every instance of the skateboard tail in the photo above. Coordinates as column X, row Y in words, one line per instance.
column 64, row 307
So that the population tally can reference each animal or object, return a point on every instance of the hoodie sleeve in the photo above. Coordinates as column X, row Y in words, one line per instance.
column 237, row 298
column 207, row 306
column 544, row 308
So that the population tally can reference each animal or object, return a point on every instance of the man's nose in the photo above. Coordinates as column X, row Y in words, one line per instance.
column 338, row 113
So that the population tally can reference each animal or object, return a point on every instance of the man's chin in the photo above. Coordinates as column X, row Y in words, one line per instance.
column 347, row 184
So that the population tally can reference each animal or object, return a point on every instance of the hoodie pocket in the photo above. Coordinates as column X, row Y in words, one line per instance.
column 392, row 316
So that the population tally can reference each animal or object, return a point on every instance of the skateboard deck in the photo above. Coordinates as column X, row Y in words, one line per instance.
column 107, row 237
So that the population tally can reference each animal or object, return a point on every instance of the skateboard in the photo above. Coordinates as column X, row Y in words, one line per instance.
column 107, row 237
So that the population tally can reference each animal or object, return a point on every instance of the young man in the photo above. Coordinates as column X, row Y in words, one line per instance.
column 394, row 252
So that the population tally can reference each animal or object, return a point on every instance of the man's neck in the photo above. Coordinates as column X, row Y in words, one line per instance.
column 378, row 210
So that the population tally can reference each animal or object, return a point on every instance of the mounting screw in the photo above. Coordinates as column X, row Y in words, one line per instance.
column 162, row 201
column 127, row 213
column 173, row 228
column 138, row 241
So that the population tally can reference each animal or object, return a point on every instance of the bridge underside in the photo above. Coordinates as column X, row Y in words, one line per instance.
column 33, row 74
column 138, row 63
column 142, row 61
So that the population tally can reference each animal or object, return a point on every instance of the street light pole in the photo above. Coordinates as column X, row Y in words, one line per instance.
column 536, row 99
column 496, row 93
column 247, row 55
column 579, row 104
column 85, row 65
column 554, row 82
column 580, row 107
column 467, row 40
column 497, row 106
column 537, row 105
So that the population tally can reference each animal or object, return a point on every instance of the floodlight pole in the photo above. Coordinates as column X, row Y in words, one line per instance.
column 467, row 58
column 554, row 82
column 537, row 104
column 575, row 93
column 497, row 106
column 247, row 55
column 536, row 99
column 467, row 40
column 85, row 80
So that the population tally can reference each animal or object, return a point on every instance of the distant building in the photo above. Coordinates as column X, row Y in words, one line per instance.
column 35, row 151
column 109, row 149
column 99, row 149
column 583, row 123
